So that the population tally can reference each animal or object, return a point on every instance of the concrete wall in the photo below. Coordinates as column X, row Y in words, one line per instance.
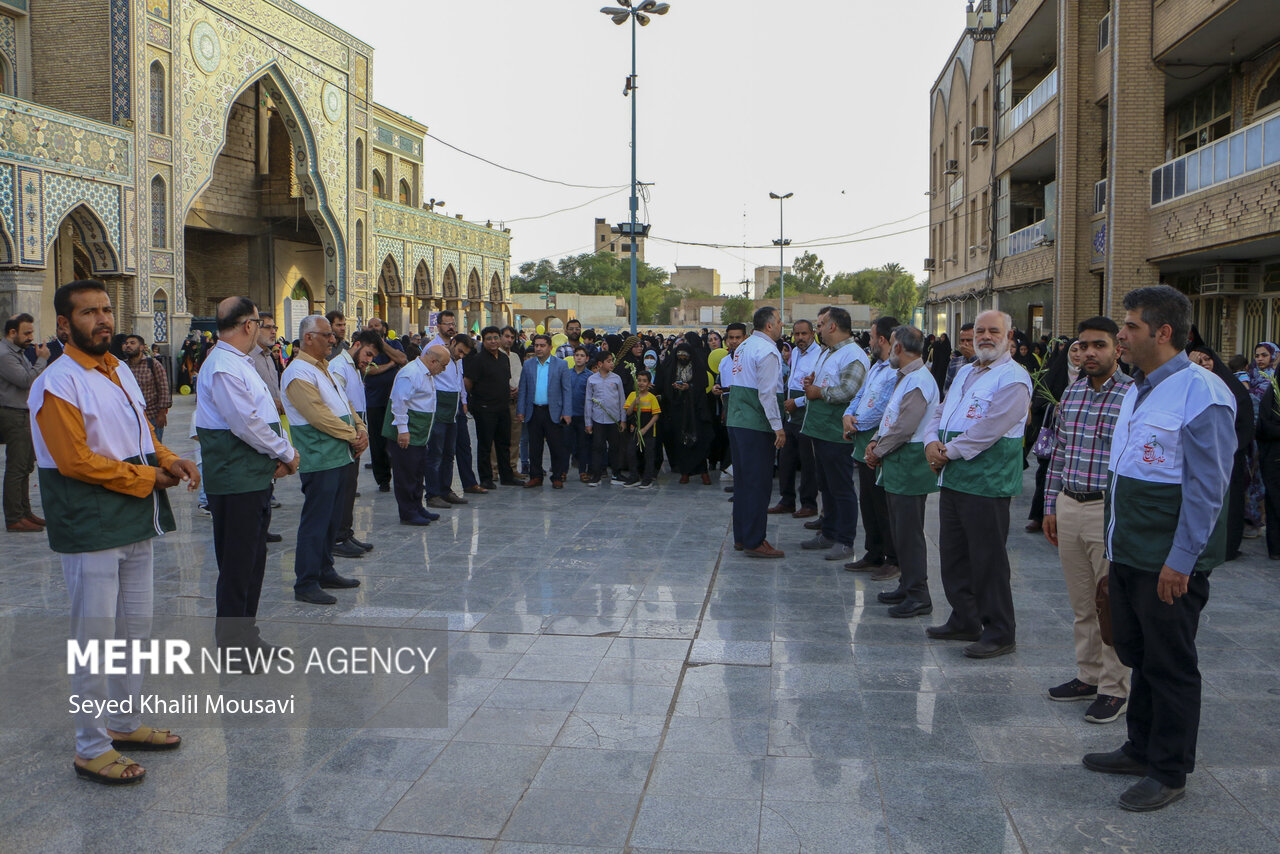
column 71, row 57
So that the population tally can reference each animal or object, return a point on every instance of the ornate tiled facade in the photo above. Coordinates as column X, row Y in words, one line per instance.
column 57, row 167
column 9, row 48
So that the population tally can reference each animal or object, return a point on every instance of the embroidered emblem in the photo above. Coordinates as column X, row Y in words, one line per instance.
column 1153, row 452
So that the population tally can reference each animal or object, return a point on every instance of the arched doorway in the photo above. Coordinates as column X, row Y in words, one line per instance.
column 281, row 229
column 423, row 293
column 82, row 249
column 449, row 290
column 299, row 303
column 494, row 305
column 392, row 289
column 475, row 304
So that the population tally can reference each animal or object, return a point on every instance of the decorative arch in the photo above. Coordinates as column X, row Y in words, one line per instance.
column 1268, row 96
column 422, row 280
column 160, row 315
column 359, row 244
column 389, row 277
column 450, row 283
column 406, row 194
column 495, row 289
column 6, row 244
column 359, row 313
column 157, row 99
column 102, row 257
column 8, row 80
column 159, row 214
column 379, row 186
column 473, row 286
column 359, row 163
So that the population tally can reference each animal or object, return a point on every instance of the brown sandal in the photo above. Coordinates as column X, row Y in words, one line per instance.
column 146, row 738
column 109, row 769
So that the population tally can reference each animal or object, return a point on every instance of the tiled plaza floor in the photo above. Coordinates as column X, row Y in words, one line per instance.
column 621, row 679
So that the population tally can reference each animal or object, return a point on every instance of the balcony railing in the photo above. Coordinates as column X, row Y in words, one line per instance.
column 1045, row 91
column 1249, row 149
column 955, row 195
column 1022, row 240
column 1100, row 196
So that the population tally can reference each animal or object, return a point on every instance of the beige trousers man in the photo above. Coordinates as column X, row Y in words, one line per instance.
column 1082, row 550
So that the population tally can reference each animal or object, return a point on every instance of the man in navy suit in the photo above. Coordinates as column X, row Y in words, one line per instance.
column 542, row 402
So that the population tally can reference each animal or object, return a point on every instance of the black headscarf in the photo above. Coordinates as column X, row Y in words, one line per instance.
column 1244, row 402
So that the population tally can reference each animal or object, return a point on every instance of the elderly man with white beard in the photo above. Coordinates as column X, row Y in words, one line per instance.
column 978, row 458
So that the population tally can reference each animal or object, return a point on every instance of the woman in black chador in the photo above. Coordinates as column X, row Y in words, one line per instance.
column 686, row 411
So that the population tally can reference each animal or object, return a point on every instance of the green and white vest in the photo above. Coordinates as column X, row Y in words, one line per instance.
column 317, row 450
column 1144, row 494
column 413, row 403
column 85, row 517
column 997, row 471
column 745, row 409
column 230, row 465
column 906, row 470
column 825, row 420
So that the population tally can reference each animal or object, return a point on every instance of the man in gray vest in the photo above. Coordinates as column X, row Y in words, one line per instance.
column 1171, row 459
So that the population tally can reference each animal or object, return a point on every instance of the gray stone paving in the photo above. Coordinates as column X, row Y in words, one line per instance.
column 619, row 679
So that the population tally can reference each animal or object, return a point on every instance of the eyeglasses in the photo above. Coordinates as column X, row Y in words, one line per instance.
column 257, row 320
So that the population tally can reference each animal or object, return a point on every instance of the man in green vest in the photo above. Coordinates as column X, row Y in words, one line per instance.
column 1171, row 460
column 329, row 435
column 976, row 448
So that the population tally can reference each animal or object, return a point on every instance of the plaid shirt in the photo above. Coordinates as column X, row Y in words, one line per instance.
column 154, row 382
column 1086, row 421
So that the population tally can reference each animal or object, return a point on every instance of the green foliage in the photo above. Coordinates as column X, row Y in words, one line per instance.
column 737, row 310
column 655, row 303
column 590, row 273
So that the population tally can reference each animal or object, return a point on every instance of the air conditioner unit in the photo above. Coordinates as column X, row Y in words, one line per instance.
column 979, row 135
column 930, row 265
column 1228, row 279
column 953, row 168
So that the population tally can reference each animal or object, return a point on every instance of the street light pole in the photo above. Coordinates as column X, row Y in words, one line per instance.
column 781, row 243
column 639, row 15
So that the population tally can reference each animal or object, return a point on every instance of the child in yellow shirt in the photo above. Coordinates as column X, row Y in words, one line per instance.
column 642, row 431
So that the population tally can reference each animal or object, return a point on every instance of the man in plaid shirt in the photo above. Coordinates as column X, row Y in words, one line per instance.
column 153, row 379
column 1073, row 506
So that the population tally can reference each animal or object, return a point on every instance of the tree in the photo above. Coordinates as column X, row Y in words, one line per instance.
column 901, row 298
column 737, row 310
column 808, row 276
column 592, row 273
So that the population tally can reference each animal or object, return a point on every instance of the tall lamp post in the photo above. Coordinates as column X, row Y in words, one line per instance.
column 782, row 243
column 638, row 14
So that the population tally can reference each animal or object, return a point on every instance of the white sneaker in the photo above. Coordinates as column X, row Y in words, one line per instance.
column 727, row 473
column 204, row 509
column 1251, row 532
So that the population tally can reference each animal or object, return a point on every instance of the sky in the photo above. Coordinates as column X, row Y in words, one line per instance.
column 826, row 99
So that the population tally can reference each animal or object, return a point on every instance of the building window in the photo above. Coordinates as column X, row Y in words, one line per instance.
column 406, row 197
column 157, row 97
column 379, row 186
column 159, row 214
column 359, row 164
column 5, row 87
column 1270, row 94
column 160, row 309
column 359, row 244
column 1204, row 117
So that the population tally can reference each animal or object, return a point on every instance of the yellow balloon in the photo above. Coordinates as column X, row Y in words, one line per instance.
column 391, row 334
column 713, row 360
column 541, row 329
column 186, row 389
column 558, row 339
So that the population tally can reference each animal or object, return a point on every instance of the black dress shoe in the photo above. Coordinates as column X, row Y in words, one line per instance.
column 891, row 597
column 865, row 562
column 338, row 582
column 728, row 489
column 274, row 538
column 368, row 547
column 988, row 649
column 384, row 487
column 1149, row 794
column 510, row 481
column 416, row 520
column 814, row 524
column 946, row 632
column 911, row 609
column 316, row 597
column 1115, row 762
column 347, row 548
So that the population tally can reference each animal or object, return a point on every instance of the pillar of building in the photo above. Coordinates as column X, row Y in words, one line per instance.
column 1136, row 147
column 21, row 291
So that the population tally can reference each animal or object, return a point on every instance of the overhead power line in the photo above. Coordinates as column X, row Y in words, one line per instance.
column 528, row 174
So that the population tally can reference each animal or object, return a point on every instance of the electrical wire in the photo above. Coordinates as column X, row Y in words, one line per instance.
column 527, row 174
column 807, row 245
column 564, row 210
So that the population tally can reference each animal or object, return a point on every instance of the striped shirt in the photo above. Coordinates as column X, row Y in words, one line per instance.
column 1086, row 421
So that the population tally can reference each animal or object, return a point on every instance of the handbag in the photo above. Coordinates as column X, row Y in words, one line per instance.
column 1102, row 604
column 1048, row 436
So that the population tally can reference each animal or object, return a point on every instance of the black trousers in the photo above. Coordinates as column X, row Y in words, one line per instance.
column 645, row 458
column 409, row 467
column 975, row 566
column 752, row 483
column 906, row 521
column 543, row 429
column 462, row 451
column 349, row 487
column 1037, row 498
column 839, row 498
column 493, row 432
column 378, row 445
column 439, row 461
column 606, row 449
column 240, row 524
column 1159, row 642
column 318, row 527
column 580, row 443
column 797, row 456
column 1269, row 462
column 875, row 515
column 1236, row 492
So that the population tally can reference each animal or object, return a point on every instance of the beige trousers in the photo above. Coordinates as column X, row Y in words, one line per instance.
column 1082, row 550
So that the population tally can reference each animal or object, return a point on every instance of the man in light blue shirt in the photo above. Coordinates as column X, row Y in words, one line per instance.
column 542, row 403
column 861, row 420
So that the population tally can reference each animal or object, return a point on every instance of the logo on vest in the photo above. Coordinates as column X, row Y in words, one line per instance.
column 977, row 409
column 1153, row 452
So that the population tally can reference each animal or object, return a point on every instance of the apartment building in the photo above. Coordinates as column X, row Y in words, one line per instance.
column 616, row 239
column 1082, row 149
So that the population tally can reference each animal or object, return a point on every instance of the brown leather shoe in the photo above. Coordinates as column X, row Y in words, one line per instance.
column 24, row 526
column 764, row 550
column 585, row 478
column 533, row 482
column 737, row 547
column 476, row 489
column 557, row 484
column 886, row 572
column 31, row 517
column 706, row 479
column 805, row 513
column 684, row 478
column 455, row 498
column 779, row 509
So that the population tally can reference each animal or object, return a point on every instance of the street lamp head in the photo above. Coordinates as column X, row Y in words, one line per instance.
column 776, row 196
column 643, row 20
column 653, row 7
column 618, row 15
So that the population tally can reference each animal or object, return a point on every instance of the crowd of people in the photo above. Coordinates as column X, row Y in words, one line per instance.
column 847, row 428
